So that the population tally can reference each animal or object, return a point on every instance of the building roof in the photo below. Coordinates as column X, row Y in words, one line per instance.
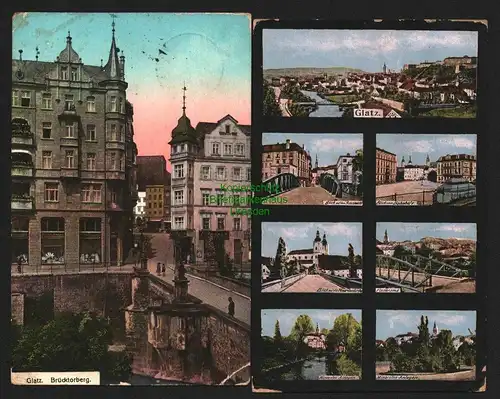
column 301, row 251
column 151, row 171
column 385, row 151
column 456, row 157
column 281, row 147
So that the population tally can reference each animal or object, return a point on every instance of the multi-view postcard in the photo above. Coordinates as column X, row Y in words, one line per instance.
column 426, row 345
column 426, row 257
column 310, row 344
column 312, row 169
column 127, row 268
column 369, row 73
column 426, row 169
column 311, row 257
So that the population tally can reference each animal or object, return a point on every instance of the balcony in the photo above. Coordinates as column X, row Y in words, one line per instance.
column 22, row 203
column 69, row 112
column 20, row 169
column 115, row 175
column 21, row 133
column 67, row 173
column 115, row 145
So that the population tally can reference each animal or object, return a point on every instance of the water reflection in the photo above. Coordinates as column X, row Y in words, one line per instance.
column 311, row 369
column 330, row 111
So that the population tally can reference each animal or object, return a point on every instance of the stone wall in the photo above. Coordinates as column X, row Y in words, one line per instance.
column 106, row 294
column 17, row 306
column 229, row 283
column 397, row 105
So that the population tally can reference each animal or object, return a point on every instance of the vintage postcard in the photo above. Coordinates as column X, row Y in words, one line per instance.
column 306, row 344
column 426, row 169
column 435, row 345
column 127, row 264
column 312, row 169
column 426, row 257
column 369, row 73
column 312, row 257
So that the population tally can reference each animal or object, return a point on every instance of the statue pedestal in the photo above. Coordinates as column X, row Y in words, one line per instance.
column 181, row 289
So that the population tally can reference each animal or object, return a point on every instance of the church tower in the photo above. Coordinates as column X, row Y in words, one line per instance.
column 316, row 163
column 427, row 160
column 435, row 330
column 409, row 159
column 403, row 163
column 317, row 328
column 325, row 245
column 386, row 238
column 384, row 69
column 317, row 246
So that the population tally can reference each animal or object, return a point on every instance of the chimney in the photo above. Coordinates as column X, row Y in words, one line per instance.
column 287, row 144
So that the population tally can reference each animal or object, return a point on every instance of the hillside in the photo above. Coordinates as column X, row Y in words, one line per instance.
column 301, row 71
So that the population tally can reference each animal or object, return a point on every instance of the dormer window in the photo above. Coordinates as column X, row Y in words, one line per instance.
column 64, row 73
column 227, row 129
column 74, row 74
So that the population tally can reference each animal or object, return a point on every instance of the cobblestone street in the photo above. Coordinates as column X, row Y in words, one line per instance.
column 313, row 283
column 307, row 196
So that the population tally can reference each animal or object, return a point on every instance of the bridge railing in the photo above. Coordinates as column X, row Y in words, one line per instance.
column 331, row 184
column 435, row 267
column 424, row 197
column 402, row 273
column 58, row 268
column 280, row 184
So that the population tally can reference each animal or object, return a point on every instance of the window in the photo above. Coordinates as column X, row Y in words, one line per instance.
column 113, row 196
column 74, row 74
column 112, row 104
column 26, row 99
column 52, row 224
column 239, row 149
column 70, row 130
column 236, row 173
column 91, row 161
column 90, row 224
column 121, row 136
column 190, row 170
column 228, row 149
column 179, row 222
column 215, row 149
column 249, row 174
column 91, row 193
column 205, row 197
column 178, row 197
column 120, row 105
column 64, row 73
column 46, row 130
column 15, row 98
column 69, row 158
column 91, row 135
column 236, row 224
column 205, row 222
column 47, row 159
column 47, row 101
column 121, row 162
column 90, row 104
column 51, row 192
column 113, row 136
column 205, row 172
column 220, row 197
column 178, row 171
column 220, row 173
column 69, row 102
column 113, row 161
column 227, row 129
column 220, row 222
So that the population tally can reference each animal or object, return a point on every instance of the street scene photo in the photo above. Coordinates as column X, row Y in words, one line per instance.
column 305, row 344
column 313, row 169
column 426, row 169
column 426, row 257
column 426, row 345
column 311, row 257
column 369, row 73
column 126, row 258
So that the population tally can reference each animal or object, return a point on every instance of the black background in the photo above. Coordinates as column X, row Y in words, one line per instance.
column 485, row 214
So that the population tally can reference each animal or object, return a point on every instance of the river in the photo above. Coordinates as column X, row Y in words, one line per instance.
column 311, row 369
column 328, row 111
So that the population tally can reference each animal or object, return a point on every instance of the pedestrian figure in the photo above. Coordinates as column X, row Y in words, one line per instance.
column 19, row 262
column 158, row 268
column 230, row 308
column 163, row 268
column 188, row 259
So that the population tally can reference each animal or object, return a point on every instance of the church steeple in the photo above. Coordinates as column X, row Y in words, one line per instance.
column 384, row 68
column 386, row 238
column 316, row 163
column 427, row 160
column 318, row 238
column 317, row 328
column 113, row 67
column 409, row 159
column 324, row 242
column 403, row 161
column 184, row 131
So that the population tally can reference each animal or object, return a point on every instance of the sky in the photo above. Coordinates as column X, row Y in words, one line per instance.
column 393, row 322
column 419, row 145
column 301, row 236
column 287, row 317
column 211, row 53
column 328, row 146
column 417, row 231
column 367, row 50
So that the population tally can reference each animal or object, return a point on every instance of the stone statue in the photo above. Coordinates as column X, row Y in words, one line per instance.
column 351, row 253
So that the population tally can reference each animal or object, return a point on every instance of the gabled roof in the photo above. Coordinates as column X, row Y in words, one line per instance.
column 301, row 251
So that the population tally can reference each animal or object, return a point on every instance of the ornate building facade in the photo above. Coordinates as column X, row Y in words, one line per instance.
column 73, row 160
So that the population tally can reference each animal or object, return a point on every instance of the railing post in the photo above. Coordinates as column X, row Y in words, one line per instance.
column 395, row 197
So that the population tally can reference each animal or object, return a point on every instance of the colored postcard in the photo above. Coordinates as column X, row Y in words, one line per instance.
column 127, row 262
column 312, row 169
column 426, row 257
column 435, row 345
column 426, row 169
column 370, row 73
column 311, row 345
column 311, row 257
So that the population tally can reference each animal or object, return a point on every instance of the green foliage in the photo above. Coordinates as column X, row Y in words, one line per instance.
column 402, row 363
column 303, row 326
column 400, row 251
column 345, row 366
column 346, row 332
column 69, row 343
column 463, row 111
column 271, row 107
column 278, row 339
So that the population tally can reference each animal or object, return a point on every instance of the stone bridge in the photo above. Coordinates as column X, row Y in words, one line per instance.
column 169, row 333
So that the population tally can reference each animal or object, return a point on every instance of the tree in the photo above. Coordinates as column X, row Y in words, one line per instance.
column 357, row 161
column 344, row 332
column 391, row 348
column 345, row 366
column 70, row 343
column 302, row 327
column 280, row 258
column 424, row 251
column 400, row 251
column 271, row 107
column 423, row 331
column 278, row 339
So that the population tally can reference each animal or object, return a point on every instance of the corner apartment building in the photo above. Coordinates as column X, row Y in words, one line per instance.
column 286, row 157
column 386, row 166
column 457, row 165
column 73, row 160
column 202, row 159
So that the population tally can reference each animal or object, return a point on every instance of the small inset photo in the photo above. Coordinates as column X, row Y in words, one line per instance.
column 309, row 344
column 435, row 345
column 426, row 257
column 311, row 257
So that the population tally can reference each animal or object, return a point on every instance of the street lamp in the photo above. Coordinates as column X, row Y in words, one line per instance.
column 136, row 248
